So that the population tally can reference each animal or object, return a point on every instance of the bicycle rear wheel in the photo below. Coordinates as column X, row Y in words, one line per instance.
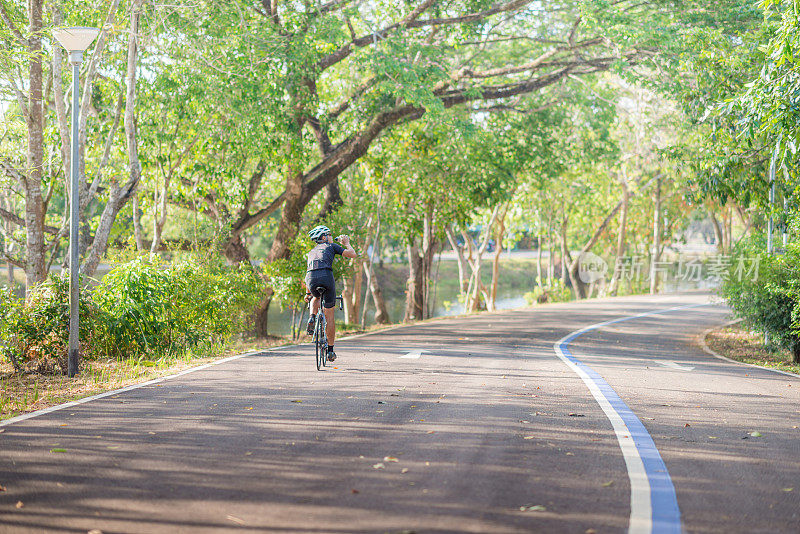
column 319, row 341
column 324, row 343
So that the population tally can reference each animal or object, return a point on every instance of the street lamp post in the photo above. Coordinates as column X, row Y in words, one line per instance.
column 75, row 40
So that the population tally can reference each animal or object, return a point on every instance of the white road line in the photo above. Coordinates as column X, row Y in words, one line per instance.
column 674, row 365
column 649, row 483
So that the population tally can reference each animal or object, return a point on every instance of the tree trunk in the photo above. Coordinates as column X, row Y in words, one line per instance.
column 462, row 262
column 796, row 351
column 235, row 251
column 34, row 202
column 623, row 224
column 717, row 231
column 428, row 252
column 656, row 256
column 160, row 215
column 551, row 262
column 291, row 215
column 119, row 195
column 381, row 314
column 414, row 310
column 539, row 262
column 562, row 236
column 138, row 230
column 501, row 230
column 333, row 199
column 262, row 314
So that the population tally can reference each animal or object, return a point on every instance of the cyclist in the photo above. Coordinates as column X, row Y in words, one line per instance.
column 320, row 274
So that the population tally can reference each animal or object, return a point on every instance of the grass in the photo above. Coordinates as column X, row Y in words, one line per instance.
column 22, row 393
column 741, row 344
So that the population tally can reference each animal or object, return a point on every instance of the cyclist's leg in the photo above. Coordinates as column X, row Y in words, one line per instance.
column 330, row 325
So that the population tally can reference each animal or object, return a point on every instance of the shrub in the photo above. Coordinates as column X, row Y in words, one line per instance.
column 556, row 292
column 768, row 299
column 35, row 331
column 163, row 311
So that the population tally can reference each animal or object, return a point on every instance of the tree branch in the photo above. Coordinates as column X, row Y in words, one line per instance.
column 13, row 261
column 410, row 23
column 11, row 26
column 19, row 221
column 12, row 172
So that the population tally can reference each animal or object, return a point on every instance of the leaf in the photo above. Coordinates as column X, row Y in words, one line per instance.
column 756, row 434
column 250, row 407
column 2, row 488
column 20, row 504
column 608, row 484
column 529, row 437
column 787, row 490
column 297, row 400
column 354, row 491
column 235, row 519
column 532, row 508
column 405, row 470
column 379, row 465
column 58, row 450
column 390, row 459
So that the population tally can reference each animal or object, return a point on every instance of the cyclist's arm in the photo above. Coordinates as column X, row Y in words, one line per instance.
column 349, row 252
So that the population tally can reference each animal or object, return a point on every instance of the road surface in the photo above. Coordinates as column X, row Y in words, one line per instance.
column 517, row 421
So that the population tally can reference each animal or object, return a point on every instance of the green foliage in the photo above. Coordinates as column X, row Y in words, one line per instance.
column 140, row 309
column 556, row 292
column 162, row 311
column 35, row 332
column 768, row 300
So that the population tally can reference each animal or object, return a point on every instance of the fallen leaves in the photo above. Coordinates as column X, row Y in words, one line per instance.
column 756, row 434
column 58, row 450
column 297, row 400
column 787, row 490
column 608, row 484
column 532, row 508
column 404, row 470
column 379, row 465
column 20, row 504
column 390, row 459
column 2, row 488
column 234, row 519
column 529, row 437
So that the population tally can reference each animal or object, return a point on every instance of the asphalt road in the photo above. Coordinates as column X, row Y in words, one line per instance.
column 461, row 425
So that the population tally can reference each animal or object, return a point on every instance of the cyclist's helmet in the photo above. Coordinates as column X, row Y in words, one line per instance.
column 319, row 232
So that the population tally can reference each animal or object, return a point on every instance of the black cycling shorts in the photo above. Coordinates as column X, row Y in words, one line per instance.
column 322, row 278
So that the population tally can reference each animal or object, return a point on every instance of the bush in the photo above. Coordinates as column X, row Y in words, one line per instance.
column 556, row 292
column 165, row 311
column 35, row 331
column 139, row 309
column 768, row 299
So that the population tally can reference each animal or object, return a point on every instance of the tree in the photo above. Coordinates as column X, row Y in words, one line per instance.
column 39, row 98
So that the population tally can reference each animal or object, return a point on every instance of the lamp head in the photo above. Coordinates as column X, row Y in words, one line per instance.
column 76, row 40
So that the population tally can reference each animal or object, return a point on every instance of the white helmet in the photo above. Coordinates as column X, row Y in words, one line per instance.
column 319, row 232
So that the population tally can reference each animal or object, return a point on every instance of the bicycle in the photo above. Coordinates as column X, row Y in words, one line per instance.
column 320, row 338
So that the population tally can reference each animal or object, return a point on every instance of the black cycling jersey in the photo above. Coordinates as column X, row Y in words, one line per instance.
column 321, row 256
